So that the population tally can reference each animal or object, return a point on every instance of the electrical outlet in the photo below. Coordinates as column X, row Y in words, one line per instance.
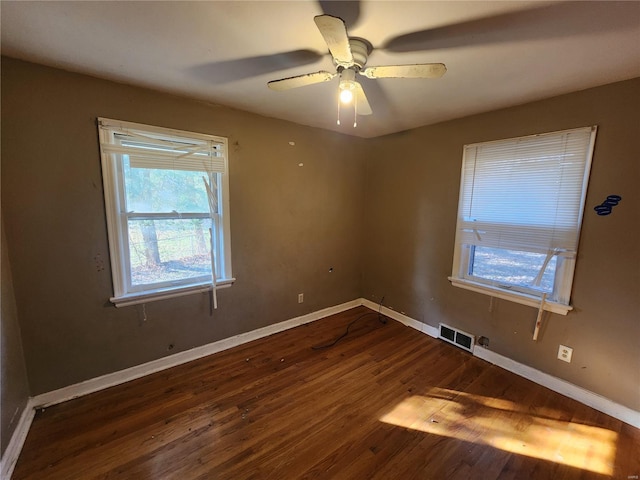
column 565, row 353
column 300, row 297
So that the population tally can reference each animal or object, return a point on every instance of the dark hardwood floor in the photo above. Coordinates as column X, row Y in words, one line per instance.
column 386, row 402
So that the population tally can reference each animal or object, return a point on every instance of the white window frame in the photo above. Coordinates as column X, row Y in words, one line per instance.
column 558, row 300
column 117, row 217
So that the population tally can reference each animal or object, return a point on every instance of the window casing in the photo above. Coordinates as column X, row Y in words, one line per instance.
column 519, row 216
column 166, row 197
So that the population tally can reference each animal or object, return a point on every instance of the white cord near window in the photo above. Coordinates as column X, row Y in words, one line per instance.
column 213, row 210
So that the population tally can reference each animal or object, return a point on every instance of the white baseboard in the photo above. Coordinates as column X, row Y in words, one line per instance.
column 563, row 387
column 122, row 376
column 12, row 452
column 593, row 400
column 402, row 318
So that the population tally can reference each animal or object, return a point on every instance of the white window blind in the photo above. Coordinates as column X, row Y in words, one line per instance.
column 525, row 195
column 158, row 151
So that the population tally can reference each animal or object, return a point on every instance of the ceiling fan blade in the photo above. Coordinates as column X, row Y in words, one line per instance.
column 361, row 101
column 300, row 80
column 542, row 21
column 233, row 70
column 426, row 70
column 348, row 10
column 334, row 32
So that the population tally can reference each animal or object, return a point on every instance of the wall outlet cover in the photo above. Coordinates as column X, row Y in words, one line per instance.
column 565, row 353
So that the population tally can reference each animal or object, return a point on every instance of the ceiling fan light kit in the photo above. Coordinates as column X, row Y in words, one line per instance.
column 350, row 56
column 347, row 85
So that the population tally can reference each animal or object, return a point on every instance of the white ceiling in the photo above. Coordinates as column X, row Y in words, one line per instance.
column 498, row 54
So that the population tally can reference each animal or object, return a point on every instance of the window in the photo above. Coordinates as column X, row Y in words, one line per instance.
column 519, row 216
column 166, row 196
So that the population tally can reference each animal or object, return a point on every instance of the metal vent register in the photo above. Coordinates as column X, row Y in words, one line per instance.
column 457, row 337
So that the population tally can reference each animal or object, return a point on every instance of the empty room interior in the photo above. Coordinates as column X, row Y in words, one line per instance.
column 320, row 239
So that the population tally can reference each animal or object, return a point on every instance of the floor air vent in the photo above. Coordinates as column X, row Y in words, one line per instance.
column 456, row 337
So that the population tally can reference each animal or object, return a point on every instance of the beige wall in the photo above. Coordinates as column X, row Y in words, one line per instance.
column 412, row 185
column 381, row 212
column 289, row 224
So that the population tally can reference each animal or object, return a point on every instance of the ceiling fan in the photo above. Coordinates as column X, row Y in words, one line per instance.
column 350, row 57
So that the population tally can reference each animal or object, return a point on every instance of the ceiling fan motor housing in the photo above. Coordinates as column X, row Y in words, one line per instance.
column 360, row 50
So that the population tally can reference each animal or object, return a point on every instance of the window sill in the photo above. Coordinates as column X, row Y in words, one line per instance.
column 166, row 293
column 521, row 298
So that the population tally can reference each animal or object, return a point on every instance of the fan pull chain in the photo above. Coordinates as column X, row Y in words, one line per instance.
column 355, row 111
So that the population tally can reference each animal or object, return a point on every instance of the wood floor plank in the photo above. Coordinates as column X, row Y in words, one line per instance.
column 385, row 402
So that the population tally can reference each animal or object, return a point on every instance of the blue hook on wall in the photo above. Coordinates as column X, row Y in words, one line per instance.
column 606, row 207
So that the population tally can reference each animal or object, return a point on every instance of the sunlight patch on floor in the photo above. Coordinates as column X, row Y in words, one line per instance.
column 507, row 426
